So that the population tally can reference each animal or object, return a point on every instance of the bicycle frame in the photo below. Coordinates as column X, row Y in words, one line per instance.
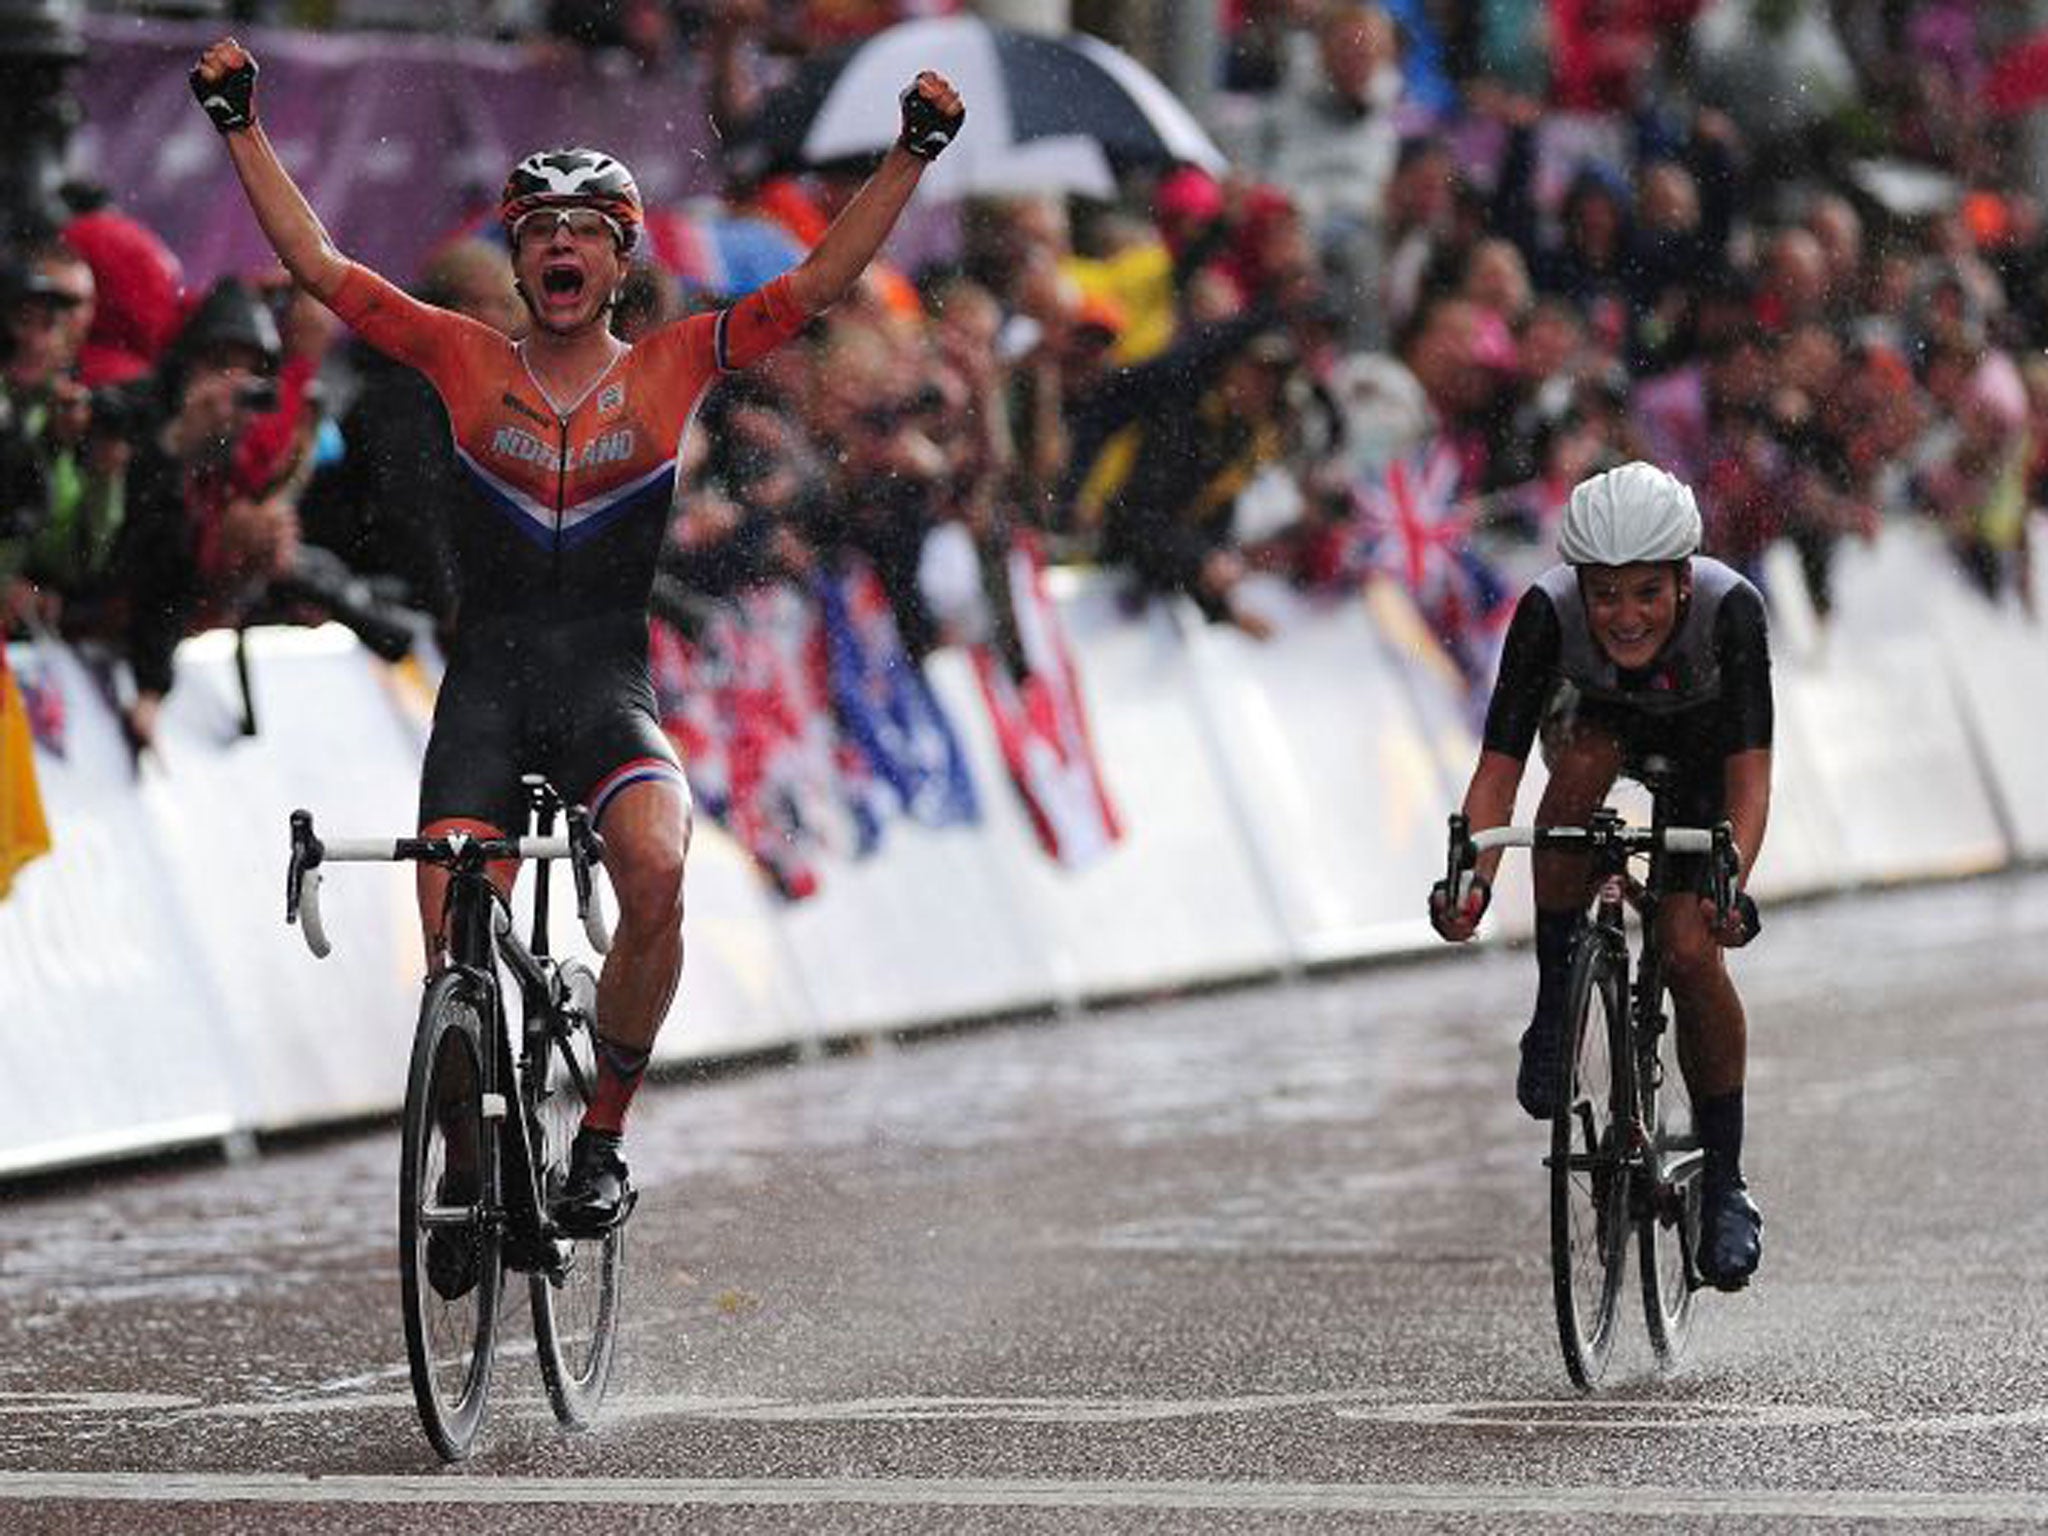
column 1611, row 844
column 479, row 932
column 480, row 928
column 1656, row 1183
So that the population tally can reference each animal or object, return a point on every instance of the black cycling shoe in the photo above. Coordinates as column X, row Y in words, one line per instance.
column 597, row 1195
column 1731, row 1236
column 452, row 1259
column 1536, row 1081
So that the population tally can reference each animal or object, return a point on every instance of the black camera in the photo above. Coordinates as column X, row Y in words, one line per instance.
column 259, row 397
column 24, row 491
column 117, row 410
column 322, row 579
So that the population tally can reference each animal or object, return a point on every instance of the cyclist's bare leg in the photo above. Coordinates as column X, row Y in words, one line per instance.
column 432, row 885
column 1713, row 1031
column 646, row 830
column 1713, row 1040
column 1583, row 765
column 647, row 838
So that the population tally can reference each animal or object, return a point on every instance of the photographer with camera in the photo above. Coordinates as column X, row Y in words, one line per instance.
column 197, row 538
column 65, row 497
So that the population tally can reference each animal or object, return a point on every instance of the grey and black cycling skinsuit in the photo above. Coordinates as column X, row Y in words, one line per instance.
column 1704, row 699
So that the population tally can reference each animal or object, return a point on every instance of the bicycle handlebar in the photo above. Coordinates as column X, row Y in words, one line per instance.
column 1635, row 839
column 1718, row 842
column 581, row 846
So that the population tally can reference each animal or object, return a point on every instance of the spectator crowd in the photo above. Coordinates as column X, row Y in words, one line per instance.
column 1462, row 257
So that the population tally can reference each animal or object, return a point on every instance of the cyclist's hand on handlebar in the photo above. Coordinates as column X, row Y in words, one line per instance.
column 224, row 80
column 1460, row 924
column 1741, row 924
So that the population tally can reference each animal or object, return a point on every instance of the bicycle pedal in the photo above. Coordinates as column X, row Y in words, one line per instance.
column 578, row 1233
column 526, row 1257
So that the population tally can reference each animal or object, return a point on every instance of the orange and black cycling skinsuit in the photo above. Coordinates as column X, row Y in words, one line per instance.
column 555, row 544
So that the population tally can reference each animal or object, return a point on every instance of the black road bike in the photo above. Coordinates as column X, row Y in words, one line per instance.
column 486, row 1130
column 1624, row 1158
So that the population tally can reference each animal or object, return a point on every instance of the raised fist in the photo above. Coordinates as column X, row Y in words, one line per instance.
column 224, row 80
column 932, row 115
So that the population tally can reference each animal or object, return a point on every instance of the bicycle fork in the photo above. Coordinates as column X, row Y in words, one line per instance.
column 1657, row 1186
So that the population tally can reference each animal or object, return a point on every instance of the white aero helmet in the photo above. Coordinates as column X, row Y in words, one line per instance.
column 1632, row 514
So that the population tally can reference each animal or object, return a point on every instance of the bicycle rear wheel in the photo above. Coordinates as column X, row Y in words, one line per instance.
column 449, row 1249
column 1588, row 1176
column 1669, row 1224
column 575, row 1311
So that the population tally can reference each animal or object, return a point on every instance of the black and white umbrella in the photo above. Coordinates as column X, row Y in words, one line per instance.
column 1044, row 114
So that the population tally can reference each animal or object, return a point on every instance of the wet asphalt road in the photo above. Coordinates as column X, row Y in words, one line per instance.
column 1265, row 1260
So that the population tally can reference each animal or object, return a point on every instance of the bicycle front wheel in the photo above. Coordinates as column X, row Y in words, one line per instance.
column 449, row 1248
column 576, row 1307
column 1588, row 1176
column 1669, row 1223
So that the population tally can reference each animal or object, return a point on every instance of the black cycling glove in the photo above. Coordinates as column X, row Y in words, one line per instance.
column 1752, row 921
column 1440, row 911
column 927, row 128
column 231, row 100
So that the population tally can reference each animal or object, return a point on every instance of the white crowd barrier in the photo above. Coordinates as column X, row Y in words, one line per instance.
column 1284, row 807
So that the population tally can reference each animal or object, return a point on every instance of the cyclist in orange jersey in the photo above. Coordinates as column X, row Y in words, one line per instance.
column 568, row 439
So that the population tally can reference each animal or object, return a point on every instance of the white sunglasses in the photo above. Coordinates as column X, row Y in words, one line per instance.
column 582, row 224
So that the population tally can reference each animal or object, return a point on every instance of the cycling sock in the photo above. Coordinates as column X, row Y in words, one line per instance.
column 619, row 1070
column 1719, row 1122
column 1554, row 934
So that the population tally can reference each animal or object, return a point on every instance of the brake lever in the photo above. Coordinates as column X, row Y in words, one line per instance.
column 306, row 855
column 302, row 884
column 1725, row 864
column 586, row 851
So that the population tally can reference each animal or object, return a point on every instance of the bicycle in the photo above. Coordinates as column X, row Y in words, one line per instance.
column 475, row 1179
column 1623, row 1153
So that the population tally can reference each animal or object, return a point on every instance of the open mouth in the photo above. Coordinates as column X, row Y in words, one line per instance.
column 561, row 280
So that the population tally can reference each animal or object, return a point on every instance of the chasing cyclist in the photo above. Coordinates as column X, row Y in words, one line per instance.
column 1638, row 646
column 569, row 441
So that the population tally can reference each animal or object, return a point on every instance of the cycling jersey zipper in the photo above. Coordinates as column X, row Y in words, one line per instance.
column 561, row 494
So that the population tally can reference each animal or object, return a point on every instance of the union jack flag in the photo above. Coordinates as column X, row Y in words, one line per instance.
column 745, row 702
column 1413, row 525
column 43, row 696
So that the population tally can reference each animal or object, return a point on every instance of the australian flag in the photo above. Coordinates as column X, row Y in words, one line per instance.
column 887, row 711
